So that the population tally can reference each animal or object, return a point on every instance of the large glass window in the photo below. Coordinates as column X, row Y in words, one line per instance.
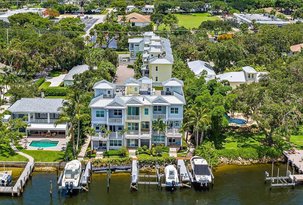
column 133, row 110
column 133, row 126
column 145, row 125
column 145, row 111
column 115, row 143
column 100, row 113
column 117, row 112
column 157, row 108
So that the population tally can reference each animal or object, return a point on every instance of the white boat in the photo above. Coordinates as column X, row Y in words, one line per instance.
column 5, row 178
column 202, row 173
column 72, row 175
column 171, row 176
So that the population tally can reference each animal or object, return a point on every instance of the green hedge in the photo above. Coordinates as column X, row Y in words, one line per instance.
column 39, row 82
column 244, row 153
column 44, row 86
column 112, row 161
column 147, row 160
column 55, row 91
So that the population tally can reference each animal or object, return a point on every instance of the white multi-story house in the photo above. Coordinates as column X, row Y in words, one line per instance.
column 124, row 115
column 41, row 115
column 157, row 56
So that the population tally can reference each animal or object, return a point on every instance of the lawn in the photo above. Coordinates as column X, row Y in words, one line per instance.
column 44, row 85
column 45, row 156
column 194, row 20
column 14, row 158
column 297, row 140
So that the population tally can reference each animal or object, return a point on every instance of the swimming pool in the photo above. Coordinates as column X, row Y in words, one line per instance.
column 43, row 143
column 237, row 121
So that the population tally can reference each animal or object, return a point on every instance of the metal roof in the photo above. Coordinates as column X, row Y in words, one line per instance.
column 76, row 70
column 37, row 105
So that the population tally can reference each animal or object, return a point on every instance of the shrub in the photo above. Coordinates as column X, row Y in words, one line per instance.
column 39, row 82
column 55, row 91
column 244, row 153
column 130, row 66
column 44, row 86
column 111, row 161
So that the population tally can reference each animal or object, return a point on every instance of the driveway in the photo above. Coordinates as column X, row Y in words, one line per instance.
column 123, row 73
column 56, row 81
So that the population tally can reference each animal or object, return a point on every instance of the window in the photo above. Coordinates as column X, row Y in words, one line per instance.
column 108, row 92
column 174, row 110
column 145, row 125
column 156, row 68
column 133, row 110
column 157, row 108
column 115, row 143
column 156, row 78
column 145, row 111
column 97, row 128
column 100, row 113
column 133, row 126
column 117, row 112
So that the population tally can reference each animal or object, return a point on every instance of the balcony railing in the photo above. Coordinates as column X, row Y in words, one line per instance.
column 133, row 117
column 161, row 116
column 145, row 132
column 115, row 120
column 43, row 120
column 132, row 132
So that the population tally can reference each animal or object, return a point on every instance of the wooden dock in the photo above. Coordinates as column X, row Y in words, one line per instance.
column 18, row 188
column 295, row 157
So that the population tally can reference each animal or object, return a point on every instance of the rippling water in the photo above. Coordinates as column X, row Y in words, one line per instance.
column 233, row 185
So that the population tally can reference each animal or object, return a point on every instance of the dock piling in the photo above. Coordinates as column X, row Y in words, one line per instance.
column 51, row 188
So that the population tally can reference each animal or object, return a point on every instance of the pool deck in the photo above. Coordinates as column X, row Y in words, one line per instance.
column 26, row 141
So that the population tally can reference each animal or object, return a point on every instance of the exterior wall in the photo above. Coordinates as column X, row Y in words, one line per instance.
column 173, row 89
column 135, row 48
column 132, row 90
column 234, row 84
column 99, row 92
column 98, row 120
column 146, row 117
column 164, row 72
column 177, row 117
column 141, row 24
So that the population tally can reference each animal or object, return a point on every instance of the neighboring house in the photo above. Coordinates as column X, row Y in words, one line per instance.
column 129, row 8
column 259, row 19
column 128, row 113
column 296, row 48
column 202, row 68
column 69, row 78
column 148, row 9
column 247, row 75
column 135, row 19
column 157, row 56
column 41, row 115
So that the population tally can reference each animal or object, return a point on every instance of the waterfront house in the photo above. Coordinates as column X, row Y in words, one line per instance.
column 135, row 19
column 69, row 78
column 126, row 115
column 156, row 54
column 265, row 19
column 40, row 115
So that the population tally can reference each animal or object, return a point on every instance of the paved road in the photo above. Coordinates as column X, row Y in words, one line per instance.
column 124, row 73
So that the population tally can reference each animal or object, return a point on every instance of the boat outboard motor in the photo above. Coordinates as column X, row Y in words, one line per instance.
column 173, row 185
column 71, row 186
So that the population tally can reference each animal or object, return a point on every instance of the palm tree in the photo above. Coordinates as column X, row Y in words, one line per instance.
column 159, row 126
column 198, row 118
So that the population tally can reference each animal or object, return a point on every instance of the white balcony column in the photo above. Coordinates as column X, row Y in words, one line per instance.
column 150, row 144
column 48, row 118
column 28, row 117
column 139, row 142
column 107, row 145
column 166, row 113
column 107, row 116
column 165, row 141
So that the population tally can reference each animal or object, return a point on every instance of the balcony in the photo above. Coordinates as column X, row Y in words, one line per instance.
column 174, row 132
column 115, row 120
column 161, row 116
column 133, row 117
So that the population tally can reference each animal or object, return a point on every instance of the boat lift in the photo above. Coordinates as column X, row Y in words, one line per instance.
column 85, row 179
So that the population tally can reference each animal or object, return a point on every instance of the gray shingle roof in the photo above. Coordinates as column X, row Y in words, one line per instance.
column 76, row 70
column 36, row 105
